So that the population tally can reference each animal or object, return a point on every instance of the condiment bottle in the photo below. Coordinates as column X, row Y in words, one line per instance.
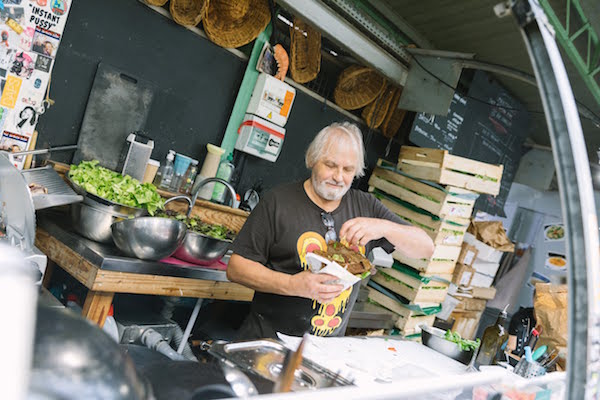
column 224, row 172
column 492, row 340
column 188, row 179
column 165, row 175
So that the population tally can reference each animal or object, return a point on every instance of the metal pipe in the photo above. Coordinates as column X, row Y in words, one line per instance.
column 577, row 198
column 190, row 325
column 44, row 151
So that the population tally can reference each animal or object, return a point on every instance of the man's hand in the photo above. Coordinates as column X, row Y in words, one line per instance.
column 314, row 286
column 360, row 231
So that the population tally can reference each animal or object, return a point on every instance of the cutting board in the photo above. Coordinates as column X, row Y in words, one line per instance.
column 119, row 104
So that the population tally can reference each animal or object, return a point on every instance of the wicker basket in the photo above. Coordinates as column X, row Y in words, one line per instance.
column 188, row 12
column 374, row 114
column 357, row 87
column 158, row 3
column 394, row 117
column 234, row 23
column 305, row 52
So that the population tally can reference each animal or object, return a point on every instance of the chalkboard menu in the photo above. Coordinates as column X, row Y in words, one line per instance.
column 487, row 125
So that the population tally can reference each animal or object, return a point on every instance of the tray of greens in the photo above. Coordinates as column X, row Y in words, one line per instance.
column 196, row 225
column 111, row 188
column 463, row 344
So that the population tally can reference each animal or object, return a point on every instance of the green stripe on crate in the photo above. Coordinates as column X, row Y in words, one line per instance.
column 382, row 195
column 391, row 167
column 405, row 269
column 404, row 302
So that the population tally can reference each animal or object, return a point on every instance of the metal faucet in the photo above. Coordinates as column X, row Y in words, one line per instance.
column 199, row 185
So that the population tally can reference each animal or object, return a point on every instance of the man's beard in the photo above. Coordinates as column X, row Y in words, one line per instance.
column 327, row 192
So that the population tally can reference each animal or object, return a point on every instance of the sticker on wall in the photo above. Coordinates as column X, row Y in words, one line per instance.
column 556, row 262
column 45, row 42
column 14, row 142
column 26, row 38
column 554, row 232
column 10, row 92
column 43, row 63
column 51, row 15
column 31, row 97
column 38, row 82
column 22, row 64
column 24, row 119
column 59, row 7
column 14, row 12
column 536, row 277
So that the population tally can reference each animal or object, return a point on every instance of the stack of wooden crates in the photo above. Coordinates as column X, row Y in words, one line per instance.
column 436, row 191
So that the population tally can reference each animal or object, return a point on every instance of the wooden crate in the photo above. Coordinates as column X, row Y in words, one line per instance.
column 445, row 230
column 407, row 320
column 414, row 289
column 470, row 304
column 466, row 323
column 451, row 201
column 442, row 167
column 442, row 261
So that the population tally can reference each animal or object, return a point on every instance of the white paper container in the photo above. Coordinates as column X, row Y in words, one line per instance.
column 485, row 252
column 321, row 265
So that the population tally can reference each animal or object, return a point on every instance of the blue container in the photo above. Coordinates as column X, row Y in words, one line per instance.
column 181, row 163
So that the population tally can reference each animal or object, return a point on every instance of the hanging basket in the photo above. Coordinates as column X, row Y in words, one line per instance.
column 231, row 23
column 394, row 117
column 305, row 51
column 188, row 12
column 374, row 114
column 158, row 3
column 357, row 86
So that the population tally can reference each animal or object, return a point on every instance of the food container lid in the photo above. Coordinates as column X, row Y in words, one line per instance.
column 156, row 163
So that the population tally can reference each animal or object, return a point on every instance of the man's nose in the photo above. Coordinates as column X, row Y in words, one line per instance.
column 338, row 176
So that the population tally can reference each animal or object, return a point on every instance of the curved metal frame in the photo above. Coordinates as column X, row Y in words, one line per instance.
column 577, row 199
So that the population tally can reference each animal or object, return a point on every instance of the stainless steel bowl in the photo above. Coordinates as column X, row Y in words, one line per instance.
column 93, row 220
column 200, row 249
column 434, row 339
column 148, row 238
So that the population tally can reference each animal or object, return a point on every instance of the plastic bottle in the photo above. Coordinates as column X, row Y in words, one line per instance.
column 167, row 171
column 209, row 170
column 492, row 340
column 224, row 172
column 110, row 325
column 189, row 178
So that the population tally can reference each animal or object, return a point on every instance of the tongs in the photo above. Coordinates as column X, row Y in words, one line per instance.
column 292, row 361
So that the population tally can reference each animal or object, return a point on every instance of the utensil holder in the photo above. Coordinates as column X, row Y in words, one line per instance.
column 528, row 369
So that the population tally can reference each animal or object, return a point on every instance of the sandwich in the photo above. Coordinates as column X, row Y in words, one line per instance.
column 351, row 260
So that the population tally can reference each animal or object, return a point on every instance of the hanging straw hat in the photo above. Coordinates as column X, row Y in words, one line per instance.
column 357, row 87
column 305, row 52
column 187, row 12
column 234, row 23
column 374, row 114
column 394, row 117
column 158, row 3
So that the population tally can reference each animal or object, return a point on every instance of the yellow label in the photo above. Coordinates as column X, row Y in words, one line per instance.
column 14, row 25
column 10, row 93
column 287, row 103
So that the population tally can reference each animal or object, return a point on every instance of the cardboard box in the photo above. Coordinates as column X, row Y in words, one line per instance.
column 463, row 274
column 470, row 304
column 483, row 293
column 485, row 267
column 484, row 252
column 468, row 254
column 482, row 280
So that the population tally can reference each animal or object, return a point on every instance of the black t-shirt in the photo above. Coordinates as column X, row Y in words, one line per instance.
column 284, row 226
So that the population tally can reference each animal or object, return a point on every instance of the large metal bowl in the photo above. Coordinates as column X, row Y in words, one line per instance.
column 434, row 339
column 199, row 249
column 93, row 220
column 148, row 238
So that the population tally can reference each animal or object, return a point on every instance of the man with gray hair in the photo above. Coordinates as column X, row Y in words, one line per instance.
column 295, row 219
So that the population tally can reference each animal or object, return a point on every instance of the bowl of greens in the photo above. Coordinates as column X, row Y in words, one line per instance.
column 204, row 243
column 449, row 343
column 121, row 193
